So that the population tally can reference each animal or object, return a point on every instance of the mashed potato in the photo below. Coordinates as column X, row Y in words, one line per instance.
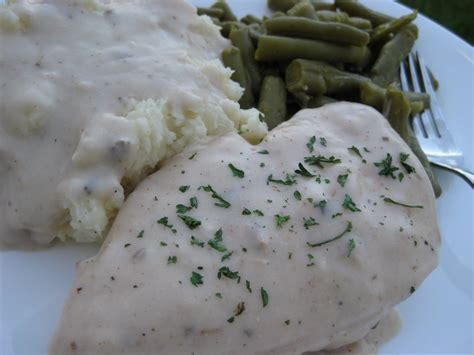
column 84, row 117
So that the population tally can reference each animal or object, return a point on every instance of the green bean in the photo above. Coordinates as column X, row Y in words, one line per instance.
column 312, row 29
column 322, row 5
column 281, row 5
column 385, row 69
column 319, row 101
column 228, row 14
column 249, row 19
column 241, row 39
column 306, row 78
column 272, row 101
column 360, row 23
column 303, row 9
column 374, row 96
column 342, row 17
column 211, row 12
column 228, row 26
column 232, row 59
column 383, row 31
column 397, row 111
column 275, row 48
column 354, row 8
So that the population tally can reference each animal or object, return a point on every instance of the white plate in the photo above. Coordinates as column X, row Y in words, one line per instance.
column 438, row 318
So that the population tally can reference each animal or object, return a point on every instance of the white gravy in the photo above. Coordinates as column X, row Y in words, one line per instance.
column 139, row 294
column 69, row 72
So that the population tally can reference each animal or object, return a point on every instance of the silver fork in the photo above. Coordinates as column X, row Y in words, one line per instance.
column 429, row 126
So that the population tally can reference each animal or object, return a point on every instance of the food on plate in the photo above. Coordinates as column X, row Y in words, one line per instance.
column 93, row 96
column 304, row 242
column 344, row 50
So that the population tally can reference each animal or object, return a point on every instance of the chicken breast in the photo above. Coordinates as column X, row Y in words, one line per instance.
column 301, row 243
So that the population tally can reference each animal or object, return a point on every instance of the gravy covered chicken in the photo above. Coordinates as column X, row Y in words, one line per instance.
column 302, row 243
column 92, row 96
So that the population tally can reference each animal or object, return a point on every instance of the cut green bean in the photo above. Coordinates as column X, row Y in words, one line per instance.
column 284, row 49
column 307, row 78
column 397, row 111
column 303, row 9
column 281, row 5
column 249, row 19
column 342, row 17
column 228, row 14
column 385, row 69
column 354, row 8
column 232, row 59
column 322, row 5
column 374, row 96
column 320, row 101
column 313, row 29
column 383, row 31
column 241, row 39
column 272, row 101
column 211, row 12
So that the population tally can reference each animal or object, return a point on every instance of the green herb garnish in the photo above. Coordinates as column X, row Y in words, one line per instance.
column 290, row 180
column 310, row 144
column 310, row 260
column 264, row 151
column 386, row 166
column 264, row 295
column 216, row 242
column 336, row 215
column 287, row 322
column 219, row 295
column 236, row 172
column 184, row 188
column 222, row 203
column 297, row 195
column 164, row 221
column 351, row 245
column 226, row 256
column 190, row 221
column 258, row 213
column 308, row 222
column 303, row 171
column 247, row 285
column 140, row 235
column 198, row 242
column 342, row 179
column 225, row 271
column 163, row 244
column 196, row 279
column 320, row 160
column 323, row 141
column 412, row 289
column 246, row 212
column 239, row 309
column 281, row 220
column 349, row 204
column 192, row 156
column 347, row 230
column 389, row 200
column 403, row 158
column 355, row 150
column 172, row 259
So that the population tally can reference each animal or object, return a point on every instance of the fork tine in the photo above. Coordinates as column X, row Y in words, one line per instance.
column 416, row 121
column 436, row 114
column 426, row 120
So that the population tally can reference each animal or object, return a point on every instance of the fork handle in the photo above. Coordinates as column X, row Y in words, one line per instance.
column 464, row 174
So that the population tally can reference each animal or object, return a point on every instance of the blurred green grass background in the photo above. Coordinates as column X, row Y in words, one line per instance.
column 456, row 15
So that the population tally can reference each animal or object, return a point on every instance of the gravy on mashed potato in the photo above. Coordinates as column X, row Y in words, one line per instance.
column 300, row 243
column 93, row 96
